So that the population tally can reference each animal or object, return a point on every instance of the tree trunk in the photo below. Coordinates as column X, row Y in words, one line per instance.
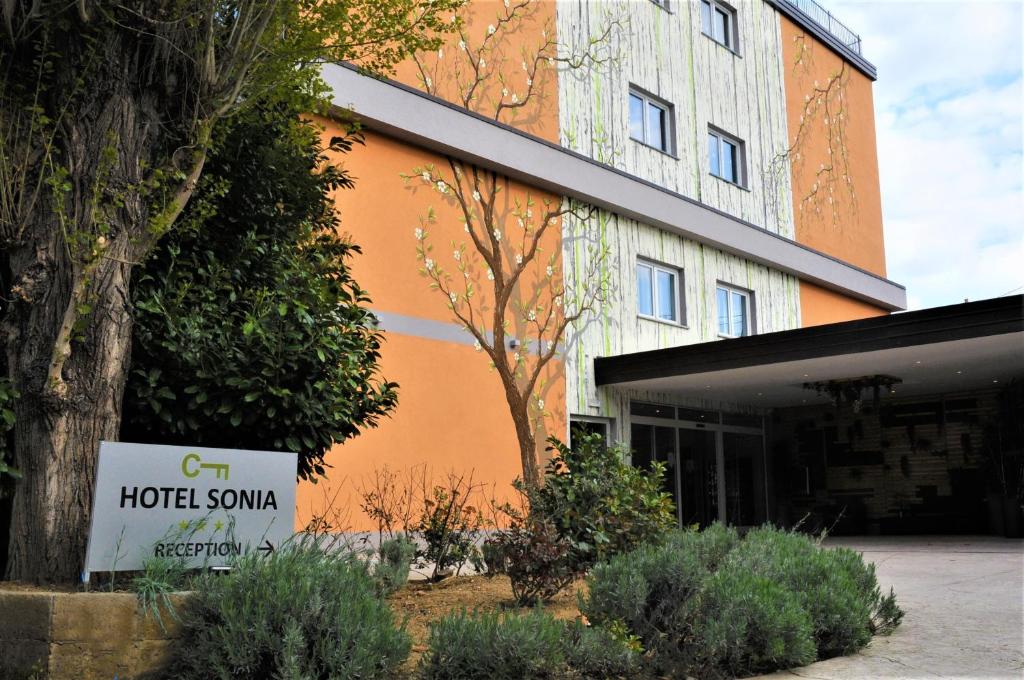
column 519, row 408
column 56, row 439
column 72, row 264
column 528, row 454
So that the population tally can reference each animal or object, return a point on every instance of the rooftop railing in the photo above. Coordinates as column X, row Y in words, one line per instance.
column 824, row 18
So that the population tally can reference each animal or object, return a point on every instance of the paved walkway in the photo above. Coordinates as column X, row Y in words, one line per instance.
column 964, row 603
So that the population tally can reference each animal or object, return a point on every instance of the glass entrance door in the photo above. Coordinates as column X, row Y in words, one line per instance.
column 714, row 462
column 657, row 443
column 744, row 478
column 698, row 477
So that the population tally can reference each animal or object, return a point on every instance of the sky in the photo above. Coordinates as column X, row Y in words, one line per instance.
column 948, row 109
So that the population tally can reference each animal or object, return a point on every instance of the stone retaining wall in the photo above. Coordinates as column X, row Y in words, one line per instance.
column 81, row 636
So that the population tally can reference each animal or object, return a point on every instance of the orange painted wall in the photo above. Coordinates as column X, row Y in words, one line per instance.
column 451, row 416
column 506, row 50
column 452, row 413
column 841, row 222
column 819, row 306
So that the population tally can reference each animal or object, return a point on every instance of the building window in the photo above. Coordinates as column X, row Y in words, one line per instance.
column 657, row 292
column 650, row 121
column 726, row 157
column 718, row 22
column 588, row 425
column 733, row 312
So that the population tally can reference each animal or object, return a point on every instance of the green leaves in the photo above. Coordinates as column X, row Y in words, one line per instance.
column 249, row 327
column 599, row 502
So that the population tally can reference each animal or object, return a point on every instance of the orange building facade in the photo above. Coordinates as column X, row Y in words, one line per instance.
column 703, row 194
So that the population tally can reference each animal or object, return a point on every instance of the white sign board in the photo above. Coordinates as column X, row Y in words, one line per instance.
column 202, row 505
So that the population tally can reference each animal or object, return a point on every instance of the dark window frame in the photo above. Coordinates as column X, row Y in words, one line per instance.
column 740, row 162
column 730, row 39
column 669, row 116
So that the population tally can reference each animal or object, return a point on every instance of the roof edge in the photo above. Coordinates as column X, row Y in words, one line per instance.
column 995, row 316
column 804, row 21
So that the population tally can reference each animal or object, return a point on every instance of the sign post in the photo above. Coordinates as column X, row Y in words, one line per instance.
column 200, row 505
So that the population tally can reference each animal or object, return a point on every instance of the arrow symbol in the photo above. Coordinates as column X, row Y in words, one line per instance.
column 266, row 548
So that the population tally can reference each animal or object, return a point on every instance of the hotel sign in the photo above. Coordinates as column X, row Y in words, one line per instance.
column 201, row 505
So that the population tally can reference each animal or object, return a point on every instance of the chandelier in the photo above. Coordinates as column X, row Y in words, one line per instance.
column 850, row 391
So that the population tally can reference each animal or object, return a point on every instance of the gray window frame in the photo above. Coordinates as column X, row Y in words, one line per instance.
column 678, row 284
column 741, row 156
column 609, row 424
column 670, row 120
column 732, row 30
column 748, row 298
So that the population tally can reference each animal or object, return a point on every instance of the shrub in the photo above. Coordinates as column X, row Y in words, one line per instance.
column 599, row 502
column 437, row 513
column 535, row 558
column 394, row 559
column 159, row 578
column 601, row 653
column 249, row 329
column 487, row 646
column 449, row 526
column 709, row 604
column 837, row 589
column 652, row 591
column 711, row 545
column 747, row 624
column 296, row 613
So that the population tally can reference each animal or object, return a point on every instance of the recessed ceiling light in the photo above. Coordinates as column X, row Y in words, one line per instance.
column 995, row 381
column 959, row 372
column 917, row 362
column 805, row 375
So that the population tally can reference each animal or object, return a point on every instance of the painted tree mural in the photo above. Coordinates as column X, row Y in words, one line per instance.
column 824, row 121
column 503, row 281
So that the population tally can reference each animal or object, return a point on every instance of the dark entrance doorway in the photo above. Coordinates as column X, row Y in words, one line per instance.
column 714, row 461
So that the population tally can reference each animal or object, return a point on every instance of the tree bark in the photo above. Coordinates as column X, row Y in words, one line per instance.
column 56, row 439
column 72, row 261
column 519, row 409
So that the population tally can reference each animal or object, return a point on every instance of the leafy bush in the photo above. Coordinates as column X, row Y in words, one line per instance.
column 748, row 624
column 250, row 331
column 449, row 527
column 707, row 603
column 592, row 505
column 438, row 513
column 394, row 559
column 535, row 558
column 601, row 652
column 486, row 646
column 711, row 545
column 599, row 502
column 652, row 591
column 837, row 589
column 296, row 613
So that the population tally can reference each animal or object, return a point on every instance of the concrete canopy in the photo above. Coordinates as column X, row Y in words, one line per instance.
column 959, row 348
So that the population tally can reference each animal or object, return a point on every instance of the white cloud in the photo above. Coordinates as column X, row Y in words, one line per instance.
column 949, row 108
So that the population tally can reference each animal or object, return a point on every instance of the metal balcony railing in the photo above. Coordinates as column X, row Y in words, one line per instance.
column 824, row 18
